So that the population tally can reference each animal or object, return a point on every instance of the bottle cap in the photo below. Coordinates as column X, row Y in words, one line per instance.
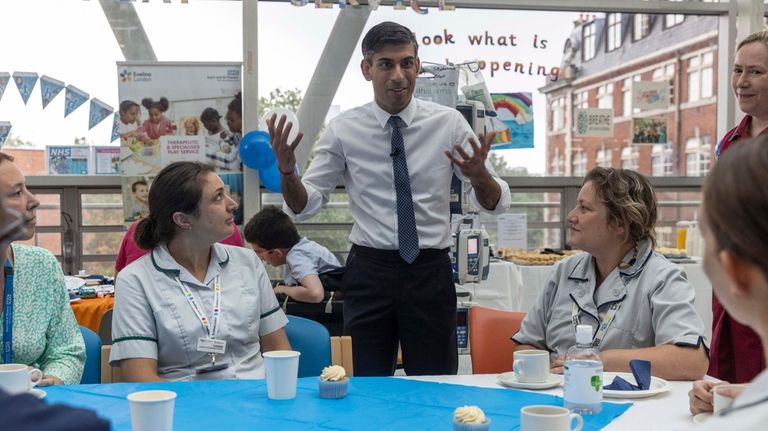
column 583, row 334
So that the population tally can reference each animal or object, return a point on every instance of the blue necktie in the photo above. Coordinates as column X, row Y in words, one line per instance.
column 408, row 238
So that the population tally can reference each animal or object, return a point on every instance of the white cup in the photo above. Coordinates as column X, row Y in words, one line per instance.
column 723, row 395
column 152, row 410
column 549, row 418
column 18, row 378
column 531, row 366
column 282, row 370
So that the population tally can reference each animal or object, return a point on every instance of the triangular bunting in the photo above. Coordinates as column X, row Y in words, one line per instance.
column 299, row 2
column 417, row 9
column 74, row 97
column 5, row 130
column 398, row 5
column 4, row 78
column 99, row 111
column 115, row 128
column 25, row 82
column 49, row 89
column 442, row 6
column 373, row 4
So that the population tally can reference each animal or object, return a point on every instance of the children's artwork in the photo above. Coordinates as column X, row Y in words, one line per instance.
column 234, row 185
column 25, row 82
column 66, row 159
column 650, row 94
column 136, row 196
column 106, row 160
column 594, row 122
column 49, row 89
column 650, row 130
column 513, row 122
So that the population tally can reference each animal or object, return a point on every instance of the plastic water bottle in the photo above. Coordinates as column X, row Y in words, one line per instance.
column 583, row 385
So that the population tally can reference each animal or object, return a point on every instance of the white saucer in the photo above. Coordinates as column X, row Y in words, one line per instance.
column 39, row 393
column 702, row 417
column 658, row 386
column 509, row 379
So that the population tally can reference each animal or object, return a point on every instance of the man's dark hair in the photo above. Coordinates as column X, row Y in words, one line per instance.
column 387, row 33
column 271, row 228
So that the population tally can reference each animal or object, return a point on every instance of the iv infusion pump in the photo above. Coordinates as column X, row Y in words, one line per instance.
column 472, row 256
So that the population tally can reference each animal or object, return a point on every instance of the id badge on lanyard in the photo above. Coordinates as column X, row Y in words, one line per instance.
column 209, row 344
column 8, row 314
column 597, row 339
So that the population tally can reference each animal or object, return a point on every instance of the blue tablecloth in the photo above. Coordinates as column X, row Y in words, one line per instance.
column 372, row 403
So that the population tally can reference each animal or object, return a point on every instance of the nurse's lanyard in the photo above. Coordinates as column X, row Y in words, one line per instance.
column 211, row 330
column 603, row 328
column 8, row 314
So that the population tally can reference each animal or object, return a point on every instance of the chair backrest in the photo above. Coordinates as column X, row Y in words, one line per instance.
column 109, row 374
column 341, row 353
column 313, row 340
column 105, row 327
column 490, row 346
column 92, row 370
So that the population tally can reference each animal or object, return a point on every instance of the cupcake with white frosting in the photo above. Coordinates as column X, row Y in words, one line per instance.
column 333, row 382
column 470, row 418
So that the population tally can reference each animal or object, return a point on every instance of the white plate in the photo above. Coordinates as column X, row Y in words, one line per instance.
column 509, row 379
column 75, row 300
column 39, row 393
column 73, row 283
column 702, row 417
column 658, row 386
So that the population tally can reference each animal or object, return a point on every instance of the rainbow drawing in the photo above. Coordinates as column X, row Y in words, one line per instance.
column 515, row 111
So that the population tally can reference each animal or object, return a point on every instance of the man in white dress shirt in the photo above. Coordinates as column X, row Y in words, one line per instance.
column 396, row 156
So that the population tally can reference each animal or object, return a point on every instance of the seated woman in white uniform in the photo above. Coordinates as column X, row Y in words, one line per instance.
column 639, row 304
column 735, row 231
column 193, row 308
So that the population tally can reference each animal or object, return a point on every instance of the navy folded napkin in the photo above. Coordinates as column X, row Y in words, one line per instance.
column 642, row 372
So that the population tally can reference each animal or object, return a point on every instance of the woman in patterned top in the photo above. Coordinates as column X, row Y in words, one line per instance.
column 44, row 333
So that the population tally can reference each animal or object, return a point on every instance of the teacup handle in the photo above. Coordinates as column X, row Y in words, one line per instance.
column 579, row 421
column 32, row 380
column 517, row 367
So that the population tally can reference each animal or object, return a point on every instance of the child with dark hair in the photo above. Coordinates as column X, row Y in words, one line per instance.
column 274, row 238
column 157, row 124
column 235, row 118
column 219, row 149
column 140, row 207
column 129, row 120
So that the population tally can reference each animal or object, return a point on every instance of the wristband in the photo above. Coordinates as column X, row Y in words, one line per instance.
column 288, row 174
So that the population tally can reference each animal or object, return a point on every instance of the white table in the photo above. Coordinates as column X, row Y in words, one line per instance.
column 500, row 290
column 668, row 411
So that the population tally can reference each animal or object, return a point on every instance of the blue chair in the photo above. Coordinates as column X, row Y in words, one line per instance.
column 313, row 340
column 92, row 370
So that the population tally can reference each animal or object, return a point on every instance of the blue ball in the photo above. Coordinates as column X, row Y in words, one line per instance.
column 256, row 151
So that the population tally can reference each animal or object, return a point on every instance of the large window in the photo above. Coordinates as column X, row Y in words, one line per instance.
column 697, row 155
column 589, row 37
column 604, row 157
column 626, row 96
column 666, row 73
column 700, row 77
column 630, row 157
column 580, row 100
column 672, row 20
column 558, row 114
column 605, row 96
column 579, row 163
column 641, row 26
column 614, row 31
column 557, row 165
column 661, row 161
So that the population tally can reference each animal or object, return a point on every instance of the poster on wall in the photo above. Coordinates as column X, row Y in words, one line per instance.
column 176, row 111
column 66, row 159
column 136, row 196
column 594, row 122
column 106, row 160
column 515, row 113
column 650, row 95
column 649, row 130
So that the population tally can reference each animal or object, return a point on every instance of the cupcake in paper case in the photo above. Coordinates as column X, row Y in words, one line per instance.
column 470, row 418
column 333, row 382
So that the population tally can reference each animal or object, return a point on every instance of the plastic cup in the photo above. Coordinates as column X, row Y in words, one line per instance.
column 152, row 410
column 282, row 370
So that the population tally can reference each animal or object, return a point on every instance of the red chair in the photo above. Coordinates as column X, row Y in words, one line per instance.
column 489, row 338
